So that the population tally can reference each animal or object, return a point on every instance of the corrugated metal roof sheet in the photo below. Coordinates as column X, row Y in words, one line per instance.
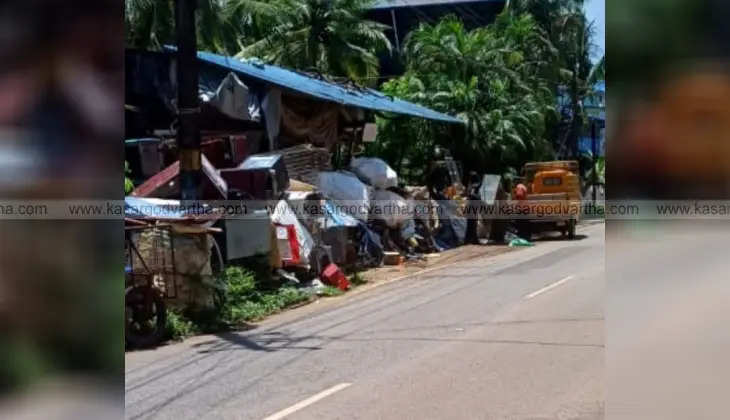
column 302, row 83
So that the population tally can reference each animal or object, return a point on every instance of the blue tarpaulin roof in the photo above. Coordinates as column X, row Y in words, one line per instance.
column 322, row 89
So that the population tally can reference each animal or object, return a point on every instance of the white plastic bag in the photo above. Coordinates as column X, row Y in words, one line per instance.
column 347, row 192
column 284, row 215
column 375, row 172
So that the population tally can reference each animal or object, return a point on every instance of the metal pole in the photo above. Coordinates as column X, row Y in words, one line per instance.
column 395, row 30
column 188, row 135
column 595, row 157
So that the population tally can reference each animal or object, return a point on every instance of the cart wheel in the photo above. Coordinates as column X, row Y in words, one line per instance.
column 145, row 316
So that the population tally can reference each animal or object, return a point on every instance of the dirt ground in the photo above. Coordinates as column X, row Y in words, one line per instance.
column 462, row 253
column 388, row 273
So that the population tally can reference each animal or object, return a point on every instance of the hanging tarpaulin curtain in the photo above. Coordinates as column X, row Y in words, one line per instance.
column 272, row 114
column 231, row 97
column 310, row 121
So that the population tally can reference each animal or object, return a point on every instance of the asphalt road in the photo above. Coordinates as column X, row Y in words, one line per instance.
column 516, row 336
column 668, row 309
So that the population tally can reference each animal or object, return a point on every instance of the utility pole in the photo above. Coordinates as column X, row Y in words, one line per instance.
column 594, row 148
column 188, row 135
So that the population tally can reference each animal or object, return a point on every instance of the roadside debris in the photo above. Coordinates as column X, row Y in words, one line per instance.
column 520, row 242
column 166, row 184
column 333, row 276
column 303, row 206
column 514, row 240
column 346, row 188
column 375, row 172
column 393, row 258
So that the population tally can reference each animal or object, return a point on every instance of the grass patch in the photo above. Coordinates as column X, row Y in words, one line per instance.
column 261, row 305
column 357, row 279
column 241, row 295
column 248, row 300
column 330, row 291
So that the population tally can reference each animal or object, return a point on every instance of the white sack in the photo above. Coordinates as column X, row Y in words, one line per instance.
column 347, row 191
column 375, row 172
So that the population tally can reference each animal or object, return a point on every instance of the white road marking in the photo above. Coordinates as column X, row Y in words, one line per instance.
column 309, row 401
column 548, row 288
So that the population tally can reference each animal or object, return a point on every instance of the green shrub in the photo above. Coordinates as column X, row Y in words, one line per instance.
column 330, row 291
column 244, row 300
column 178, row 326
column 240, row 299
column 357, row 279
column 263, row 304
column 128, row 184
column 244, row 311
column 239, row 284
column 292, row 296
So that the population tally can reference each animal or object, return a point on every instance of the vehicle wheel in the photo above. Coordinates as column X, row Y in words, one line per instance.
column 145, row 316
column 571, row 229
column 524, row 231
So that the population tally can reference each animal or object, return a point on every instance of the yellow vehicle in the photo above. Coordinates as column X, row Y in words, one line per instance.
column 548, row 198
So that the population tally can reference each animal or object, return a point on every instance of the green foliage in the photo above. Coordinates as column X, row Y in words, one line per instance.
column 330, row 291
column 329, row 37
column 241, row 299
column 565, row 25
column 493, row 78
column 149, row 24
column 285, row 296
column 178, row 326
column 595, row 169
column 261, row 305
column 357, row 279
column 240, row 284
column 128, row 185
column 502, row 80
column 222, row 25
column 246, row 301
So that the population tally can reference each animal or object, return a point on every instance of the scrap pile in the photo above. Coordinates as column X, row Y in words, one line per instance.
column 309, row 220
column 266, row 156
column 269, row 138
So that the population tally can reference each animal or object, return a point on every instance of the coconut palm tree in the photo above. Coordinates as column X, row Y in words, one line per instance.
column 568, row 29
column 221, row 25
column 149, row 24
column 326, row 36
column 490, row 78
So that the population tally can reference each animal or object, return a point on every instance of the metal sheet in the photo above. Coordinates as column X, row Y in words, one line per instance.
column 300, row 82
column 248, row 236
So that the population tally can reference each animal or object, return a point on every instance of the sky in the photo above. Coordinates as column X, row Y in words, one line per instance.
column 596, row 11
